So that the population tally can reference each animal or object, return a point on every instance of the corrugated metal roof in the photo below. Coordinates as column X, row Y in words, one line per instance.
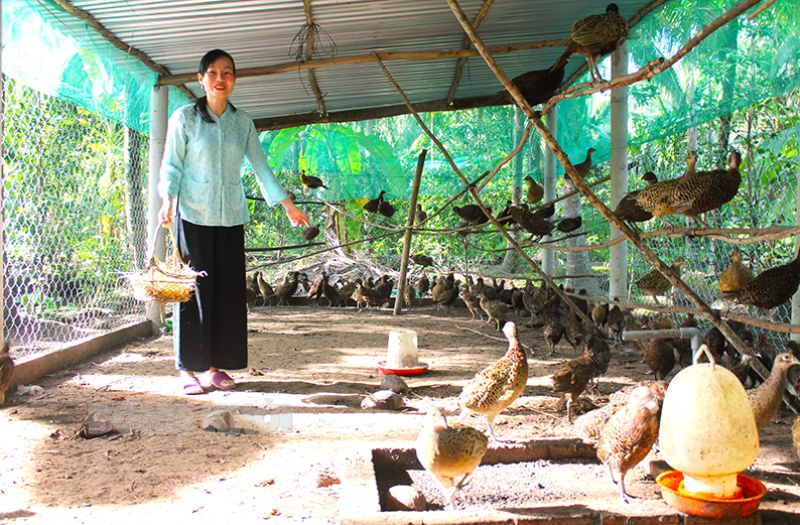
column 176, row 33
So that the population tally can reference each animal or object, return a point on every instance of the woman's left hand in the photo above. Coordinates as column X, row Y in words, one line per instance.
column 296, row 216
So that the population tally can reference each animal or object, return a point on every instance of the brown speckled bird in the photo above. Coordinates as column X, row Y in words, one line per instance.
column 420, row 216
column 494, row 388
column 472, row 302
column 450, row 452
column 594, row 37
column 628, row 209
column 736, row 275
column 286, row 289
column 535, row 191
column 659, row 354
column 629, row 435
column 766, row 399
column 6, row 370
column 572, row 377
column 311, row 182
column 536, row 86
column 590, row 425
column 770, row 288
column 583, row 167
column 707, row 190
column 495, row 310
column 654, row 283
column 657, row 200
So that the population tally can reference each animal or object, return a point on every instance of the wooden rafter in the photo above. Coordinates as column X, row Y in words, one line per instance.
column 128, row 49
column 312, row 76
column 462, row 61
column 293, row 66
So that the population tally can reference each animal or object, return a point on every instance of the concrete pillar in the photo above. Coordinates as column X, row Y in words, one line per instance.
column 159, row 108
column 550, row 165
column 618, row 260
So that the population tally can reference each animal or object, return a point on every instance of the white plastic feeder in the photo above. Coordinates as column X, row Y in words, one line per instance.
column 403, row 351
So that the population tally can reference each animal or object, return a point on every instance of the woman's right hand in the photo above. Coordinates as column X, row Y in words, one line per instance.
column 165, row 212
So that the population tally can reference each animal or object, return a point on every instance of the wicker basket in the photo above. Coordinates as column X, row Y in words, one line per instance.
column 170, row 281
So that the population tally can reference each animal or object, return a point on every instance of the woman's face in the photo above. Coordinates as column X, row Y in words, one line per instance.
column 218, row 80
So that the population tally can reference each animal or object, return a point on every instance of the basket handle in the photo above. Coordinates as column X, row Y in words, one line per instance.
column 151, row 249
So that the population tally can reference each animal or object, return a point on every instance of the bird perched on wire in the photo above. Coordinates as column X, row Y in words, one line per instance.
column 450, row 452
column 770, row 288
column 536, row 86
column 6, row 369
column 310, row 233
column 420, row 216
column 372, row 204
column 594, row 37
column 422, row 260
column 570, row 224
column 629, row 210
column 310, row 181
column 736, row 275
column 494, row 388
column 654, row 283
column 629, row 435
column 535, row 191
column 766, row 399
column 584, row 167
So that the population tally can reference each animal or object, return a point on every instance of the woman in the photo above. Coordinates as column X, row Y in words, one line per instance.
column 201, row 178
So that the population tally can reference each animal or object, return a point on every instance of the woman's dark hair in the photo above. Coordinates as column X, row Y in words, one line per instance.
column 209, row 58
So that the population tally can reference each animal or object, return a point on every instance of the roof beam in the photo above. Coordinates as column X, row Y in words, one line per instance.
column 293, row 66
column 312, row 76
column 467, row 44
column 303, row 119
column 119, row 44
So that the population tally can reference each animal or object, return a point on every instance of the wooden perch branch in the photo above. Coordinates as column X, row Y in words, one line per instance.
column 451, row 94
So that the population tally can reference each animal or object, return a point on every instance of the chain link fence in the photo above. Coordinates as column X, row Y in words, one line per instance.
column 73, row 202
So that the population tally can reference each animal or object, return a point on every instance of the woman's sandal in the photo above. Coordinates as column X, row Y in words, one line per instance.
column 218, row 378
column 192, row 386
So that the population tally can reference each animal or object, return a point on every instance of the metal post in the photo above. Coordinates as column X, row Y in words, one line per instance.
column 412, row 208
column 618, row 260
column 550, row 163
column 159, row 107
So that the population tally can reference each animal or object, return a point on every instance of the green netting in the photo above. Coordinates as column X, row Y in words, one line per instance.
column 741, row 63
column 74, row 63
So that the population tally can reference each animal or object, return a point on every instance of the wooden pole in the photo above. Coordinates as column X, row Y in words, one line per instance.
column 412, row 208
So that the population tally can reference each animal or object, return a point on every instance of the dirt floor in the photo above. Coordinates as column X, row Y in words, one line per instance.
column 299, row 409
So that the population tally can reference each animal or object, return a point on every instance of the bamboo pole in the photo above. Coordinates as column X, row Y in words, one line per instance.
column 412, row 208
column 462, row 61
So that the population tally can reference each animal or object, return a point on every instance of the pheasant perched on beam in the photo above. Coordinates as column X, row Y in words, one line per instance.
column 310, row 181
column 736, row 275
column 584, row 167
column 628, row 209
column 770, row 288
column 496, row 387
column 372, row 204
column 536, row 86
column 654, row 283
column 708, row 190
column 535, row 191
column 472, row 214
column 594, row 37
column 656, row 199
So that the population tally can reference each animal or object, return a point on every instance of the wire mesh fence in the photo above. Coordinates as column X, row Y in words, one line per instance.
column 71, row 221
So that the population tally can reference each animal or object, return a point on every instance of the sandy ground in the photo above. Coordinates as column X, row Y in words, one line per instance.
column 299, row 410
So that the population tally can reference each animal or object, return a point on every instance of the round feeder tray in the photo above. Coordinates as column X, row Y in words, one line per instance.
column 719, row 509
column 414, row 370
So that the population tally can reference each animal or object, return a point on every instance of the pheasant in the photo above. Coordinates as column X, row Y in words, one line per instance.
column 770, row 288
column 708, row 190
column 654, row 283
column 494, row 388
column 372, row 204
column 536, row 86
column 617, row 321
column 420, row 216
column 311, row 182
column 450, row 452
column 495, row 310
column 594, row 37
column 422, row 260
column 310, row 233
column 629, row 435
column 265, row 289
column 287, row 288
column 766, row 399
column 583, row 167
column 572, row 377
column 628, row 209
column 656, row 199
column 535, row 191
column 6, row 370
column 736, row 275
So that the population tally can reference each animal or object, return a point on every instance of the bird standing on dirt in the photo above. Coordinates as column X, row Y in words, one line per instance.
column 654, row 283
column 266, row 290
column 770, row 288
column 6, row 370
column 736, row 275
column 450, row 452
column 617, row 322
column 766, row 399
column 594, row 37
column 536, row 86
column 495, row 310
column 629, row 435
column 572, row 377
column 494, row 388
column 311, row 182
column 535, row 191
column 423, row 285
column 287, row 288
